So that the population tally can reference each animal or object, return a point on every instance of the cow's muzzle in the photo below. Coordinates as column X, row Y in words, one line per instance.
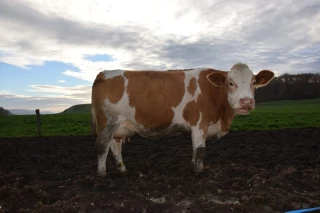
column 246, row 105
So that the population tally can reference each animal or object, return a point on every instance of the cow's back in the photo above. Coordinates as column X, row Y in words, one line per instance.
column 154, row 94
column 144, row 98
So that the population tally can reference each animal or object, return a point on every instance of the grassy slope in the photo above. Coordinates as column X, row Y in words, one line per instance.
column 268, row 115
column 80, row 108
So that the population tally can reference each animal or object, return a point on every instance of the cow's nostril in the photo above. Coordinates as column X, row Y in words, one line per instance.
column 246, row 102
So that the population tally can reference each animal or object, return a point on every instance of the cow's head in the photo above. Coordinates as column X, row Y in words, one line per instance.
column 240, row 84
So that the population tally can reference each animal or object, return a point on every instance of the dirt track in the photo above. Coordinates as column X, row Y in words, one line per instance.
column 257, row 171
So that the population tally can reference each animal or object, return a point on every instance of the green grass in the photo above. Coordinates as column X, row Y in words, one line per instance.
column 80, row 108
column 281, row 114
column 268, row 115
column 55, row 124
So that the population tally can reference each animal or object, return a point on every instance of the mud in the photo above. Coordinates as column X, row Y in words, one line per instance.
column 249, row 171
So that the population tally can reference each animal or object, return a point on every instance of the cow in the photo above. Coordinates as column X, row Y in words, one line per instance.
column 152, row 104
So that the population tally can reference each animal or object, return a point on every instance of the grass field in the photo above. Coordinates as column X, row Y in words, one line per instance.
column 281, row 114
column 268, row 115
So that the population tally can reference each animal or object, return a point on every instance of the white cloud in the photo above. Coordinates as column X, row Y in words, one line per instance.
column 282, row 36
column 160, row 34
column 62, row 81
column 55, row 98
column 81, row 92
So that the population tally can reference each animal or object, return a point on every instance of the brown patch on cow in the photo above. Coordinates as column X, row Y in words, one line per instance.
column 191, row 113
column 213, row 103
column 102, row 89
column 192, row 86
column 111, row 88
column 154, row 94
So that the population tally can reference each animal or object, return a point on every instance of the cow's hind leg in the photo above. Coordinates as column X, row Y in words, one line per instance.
column 198, row 144
column 116, row 148
column 103, row 144
column 102, row 147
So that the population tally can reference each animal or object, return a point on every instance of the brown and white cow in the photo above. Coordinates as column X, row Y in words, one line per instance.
column 157, row 103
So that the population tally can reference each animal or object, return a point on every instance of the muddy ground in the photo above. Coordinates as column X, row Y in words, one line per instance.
column 249, row 171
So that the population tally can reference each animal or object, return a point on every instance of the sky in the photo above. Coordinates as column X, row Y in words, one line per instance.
column 51, row 51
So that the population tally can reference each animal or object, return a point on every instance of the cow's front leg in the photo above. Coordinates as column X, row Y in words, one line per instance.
column 199, row 147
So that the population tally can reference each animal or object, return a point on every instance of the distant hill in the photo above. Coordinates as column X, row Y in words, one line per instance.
column 28, row 112
column 4, row 111
column 80, row 108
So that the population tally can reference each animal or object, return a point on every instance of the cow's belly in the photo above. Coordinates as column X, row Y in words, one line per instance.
column 128, row 129
column 173, row 130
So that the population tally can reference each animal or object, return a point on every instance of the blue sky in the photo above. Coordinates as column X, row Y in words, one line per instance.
column 18, row 80
column 51, row 51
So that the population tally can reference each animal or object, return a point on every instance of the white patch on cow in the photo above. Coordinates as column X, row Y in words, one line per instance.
column 178, row 110
column 112, row 73
column 215, row 129
column 197, row 135
column 198, row 140
column 243, row 79
column 125, row 129
column 124, row 112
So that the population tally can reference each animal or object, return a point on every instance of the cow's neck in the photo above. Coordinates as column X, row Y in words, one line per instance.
column 217, row 105
column 224, row 111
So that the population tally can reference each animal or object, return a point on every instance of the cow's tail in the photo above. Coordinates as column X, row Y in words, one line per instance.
column 93, row 122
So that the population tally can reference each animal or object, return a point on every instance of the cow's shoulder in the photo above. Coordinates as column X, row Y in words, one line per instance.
column 211, row 104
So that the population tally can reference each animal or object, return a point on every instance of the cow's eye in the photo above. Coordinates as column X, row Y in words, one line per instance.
column 231, row 84
column 254, row 83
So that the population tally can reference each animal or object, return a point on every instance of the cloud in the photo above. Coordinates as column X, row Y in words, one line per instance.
column 55, row 98
column 59, row 39
column 141, row 36
column 17, row 15
column 45, row 103
column 62, row 81
column 80, row 92
column 282, row 36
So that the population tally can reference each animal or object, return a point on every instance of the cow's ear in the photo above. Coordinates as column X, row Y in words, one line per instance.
column 217, row 79
column 263, row 78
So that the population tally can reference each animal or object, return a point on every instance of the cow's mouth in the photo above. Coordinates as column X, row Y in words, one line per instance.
column 242, row 111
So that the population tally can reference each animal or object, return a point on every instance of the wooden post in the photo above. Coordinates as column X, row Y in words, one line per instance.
column 38, row 121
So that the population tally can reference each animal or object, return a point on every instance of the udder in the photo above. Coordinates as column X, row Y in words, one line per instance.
column 124, row 131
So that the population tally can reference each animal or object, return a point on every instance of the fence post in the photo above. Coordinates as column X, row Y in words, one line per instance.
column 38, row 121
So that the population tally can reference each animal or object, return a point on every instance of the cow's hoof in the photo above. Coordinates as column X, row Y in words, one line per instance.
column 121, row 167
column 102, row 173
column 198, row 160
column 198, row 167
column 123, row 170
